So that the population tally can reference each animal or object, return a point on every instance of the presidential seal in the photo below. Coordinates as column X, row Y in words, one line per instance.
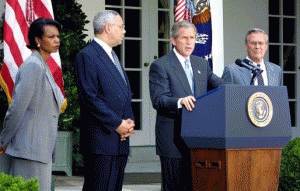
column 260, row 109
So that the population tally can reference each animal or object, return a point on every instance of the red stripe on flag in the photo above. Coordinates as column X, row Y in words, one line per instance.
column 13, row 46
column 14, row 4
column 9, row 84
column 57, row 74
column 19, row 20
column 180, row 10
column 40, row 9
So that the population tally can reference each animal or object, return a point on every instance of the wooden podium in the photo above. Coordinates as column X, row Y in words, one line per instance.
column 236, row 135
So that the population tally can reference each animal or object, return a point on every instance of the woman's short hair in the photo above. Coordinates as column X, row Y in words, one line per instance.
column 181, row 24
column 102, row 19
column 36, row 29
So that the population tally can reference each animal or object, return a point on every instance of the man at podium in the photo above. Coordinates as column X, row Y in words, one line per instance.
column 253, row 70
column 176, row 79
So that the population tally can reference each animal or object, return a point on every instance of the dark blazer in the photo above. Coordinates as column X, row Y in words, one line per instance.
column 105, row 99
column 235, row 74
column 168, row 83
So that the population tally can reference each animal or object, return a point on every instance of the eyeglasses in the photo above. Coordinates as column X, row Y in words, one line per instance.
column 120, row 26
column 257, row 43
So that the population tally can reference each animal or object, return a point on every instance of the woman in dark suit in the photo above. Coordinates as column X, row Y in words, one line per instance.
column 30, row 125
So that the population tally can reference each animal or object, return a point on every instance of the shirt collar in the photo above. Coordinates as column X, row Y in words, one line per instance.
column 105, row 46
column 180, row 57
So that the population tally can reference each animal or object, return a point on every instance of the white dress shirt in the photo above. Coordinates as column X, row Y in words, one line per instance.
column 106, row 48
column 181, row 60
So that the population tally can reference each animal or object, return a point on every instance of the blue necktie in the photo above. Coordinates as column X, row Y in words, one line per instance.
column 189, row 74
column 117, row 64
column 260, row 80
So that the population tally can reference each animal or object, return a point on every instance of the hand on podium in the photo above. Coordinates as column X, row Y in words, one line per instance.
column 188, row 102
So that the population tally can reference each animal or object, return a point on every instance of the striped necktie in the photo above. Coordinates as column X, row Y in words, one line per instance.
column 260, row 80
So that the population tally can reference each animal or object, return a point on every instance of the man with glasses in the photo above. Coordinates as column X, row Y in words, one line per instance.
column 256, row 44
column 105, row 105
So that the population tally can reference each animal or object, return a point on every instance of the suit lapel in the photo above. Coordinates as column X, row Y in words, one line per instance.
column 102, row 55
column 245, row 75
column 50, row 78
column 179, row 73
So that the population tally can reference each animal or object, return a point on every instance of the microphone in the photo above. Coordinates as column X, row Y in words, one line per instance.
column 243, row 64
column 256, row 71
column 251, row 64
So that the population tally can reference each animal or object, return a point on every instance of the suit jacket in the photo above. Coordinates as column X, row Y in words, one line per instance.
column 105, row 99
column 235, row 74
column 168, row 83
column 30, row 124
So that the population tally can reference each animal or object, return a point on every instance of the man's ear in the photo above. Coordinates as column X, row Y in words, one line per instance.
column 107, row 28
column 173, row 40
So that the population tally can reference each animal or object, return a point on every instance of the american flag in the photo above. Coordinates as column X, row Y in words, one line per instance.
column 182, row 11
column 19, row 14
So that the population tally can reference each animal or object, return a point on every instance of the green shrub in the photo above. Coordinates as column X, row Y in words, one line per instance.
column 10, row 183
column 290, row 167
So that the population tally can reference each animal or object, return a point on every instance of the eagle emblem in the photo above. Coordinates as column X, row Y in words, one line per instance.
column 203, row 14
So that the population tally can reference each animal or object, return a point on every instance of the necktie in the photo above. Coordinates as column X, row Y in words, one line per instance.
column 260, row 80
column 117, row 64
column 189, row 74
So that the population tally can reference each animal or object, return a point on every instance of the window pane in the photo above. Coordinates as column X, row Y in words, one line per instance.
column 137, row 111
column 288, row 30
column 289, row 60
column 274, row 29
column 112, row 2
column 115, row 9
column 274, row 7
column 133, row 54
column 293, row 112
column 133, row 23
column 274, row 54
column 163, row 4
column 289, row 82
column 163, row 48
column 289, row 7
column 163, row 25
column 133, row 3
column 135, row 83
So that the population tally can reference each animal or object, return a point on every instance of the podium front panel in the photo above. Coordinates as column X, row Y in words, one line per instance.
column 220, row 119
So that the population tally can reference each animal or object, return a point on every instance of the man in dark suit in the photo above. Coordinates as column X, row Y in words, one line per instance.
column 256, row 44
column 105, row 99
column 176, row 79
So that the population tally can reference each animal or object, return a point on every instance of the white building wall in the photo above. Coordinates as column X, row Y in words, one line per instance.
column 239, row 17
column 91, row 8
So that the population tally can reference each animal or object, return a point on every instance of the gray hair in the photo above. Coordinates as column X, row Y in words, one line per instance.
column 256, row 30
column 102, row 19
column 180, row 24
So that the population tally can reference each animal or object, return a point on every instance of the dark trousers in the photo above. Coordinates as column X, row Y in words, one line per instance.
column 104, row 173
column 176, row 174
